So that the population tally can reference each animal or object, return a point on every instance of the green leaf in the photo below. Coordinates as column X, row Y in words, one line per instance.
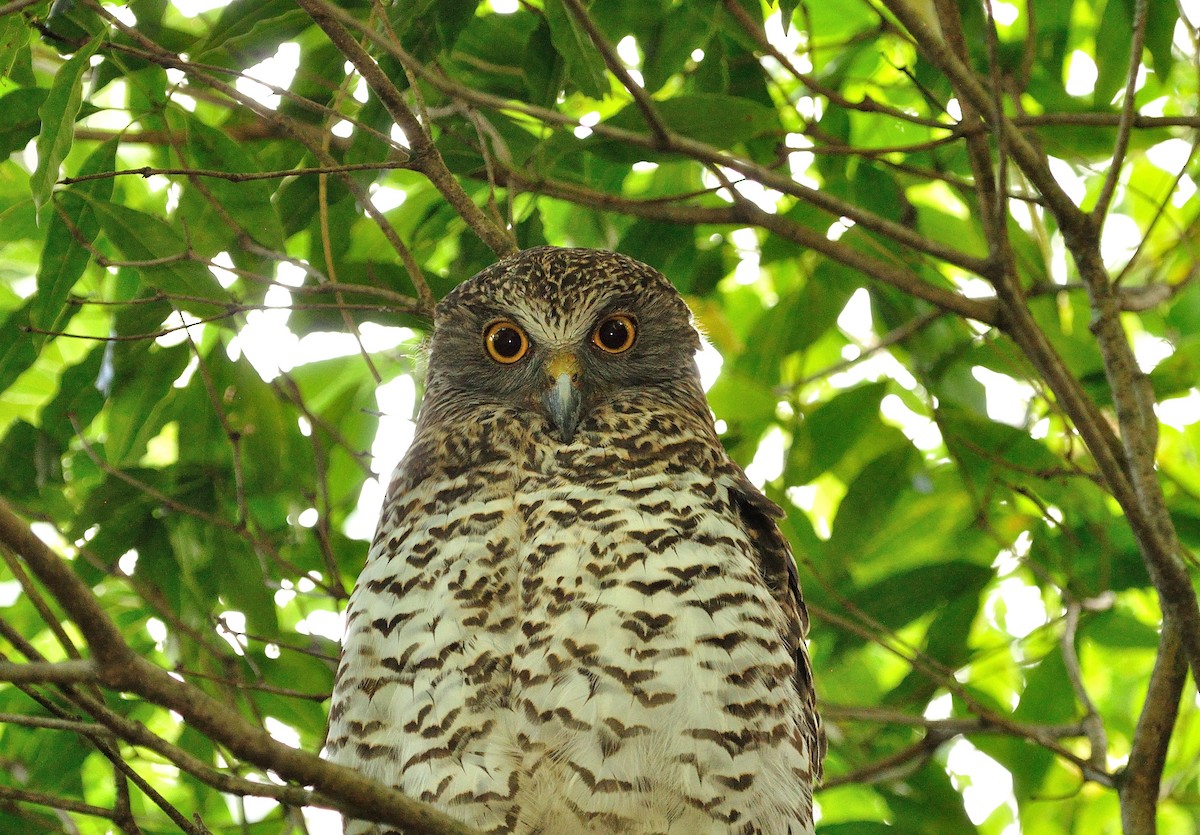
column 832, row 429
column 16, row 346
column 248, row 588
column 71, row 24
column 984, row 447
column 747, row 406
column 1112, row 51
column 798, row 320
column 58, row 114
column 78, row 399
column 1179, row 372
column 31, row 462
column 248, row 203
column 139, row 402
column 512, row 54
column 685, row 28
column 927, row 802
column 249, row 31
column 868, row 500
column 837, row 21
column 1046, row 698
column 1161, row 19
column 64, row 258
column 162, row 257
column 256, row 416
column 584, row 64
column 1052, row 34
column 905, row 596
column 1116, row 629
column 14, row 39
column 859, row 828
column 18, row 351
column 426, row 27
column 693, row 116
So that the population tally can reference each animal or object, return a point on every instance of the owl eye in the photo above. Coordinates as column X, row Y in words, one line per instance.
column 506, row 343
column 615, row 334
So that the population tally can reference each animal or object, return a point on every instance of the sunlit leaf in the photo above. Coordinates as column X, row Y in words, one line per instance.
column 585, row 65
column 57, row 114
column 71, row 227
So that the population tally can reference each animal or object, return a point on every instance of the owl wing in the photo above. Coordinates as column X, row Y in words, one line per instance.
column 778, row 567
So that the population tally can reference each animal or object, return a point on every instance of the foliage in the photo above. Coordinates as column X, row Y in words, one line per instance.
column 887, row 217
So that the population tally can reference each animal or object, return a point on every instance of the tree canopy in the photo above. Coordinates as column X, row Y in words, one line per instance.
column 945, row 251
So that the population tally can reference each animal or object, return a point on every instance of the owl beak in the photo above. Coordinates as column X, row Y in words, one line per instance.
column 563, row 402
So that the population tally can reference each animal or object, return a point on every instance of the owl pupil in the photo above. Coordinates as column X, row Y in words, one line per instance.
column 613, row 334
column 507, row 342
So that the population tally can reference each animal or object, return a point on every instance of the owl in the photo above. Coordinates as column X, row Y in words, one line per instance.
column 577, row 614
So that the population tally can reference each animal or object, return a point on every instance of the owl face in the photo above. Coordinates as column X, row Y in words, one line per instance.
column 560, row 332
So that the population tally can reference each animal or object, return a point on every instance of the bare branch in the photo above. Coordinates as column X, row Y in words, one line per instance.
column 1139, row 782
column 52, row 801
column 60, row 672
column 86, row 728
column 743, row 213
column 965, row 726
column 425, row 156
column 124, row 670
column 613, row 61
column 1128, row 107
column 235, row 176
column 1092, row 721
column 895, row 767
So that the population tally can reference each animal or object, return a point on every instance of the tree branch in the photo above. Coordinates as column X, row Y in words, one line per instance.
column 698, row 151
column 155, row 54
column 1128, row 107
column 941, row 54
column 1128, row 465
column 613, row 61
column 425, row 156
column 124, row 670
column 60, row 672
column 52, row 801
column 743, row 213
column 1138, row 783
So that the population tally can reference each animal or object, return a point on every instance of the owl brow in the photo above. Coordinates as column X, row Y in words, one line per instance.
column 621, row 304
column 488, row 314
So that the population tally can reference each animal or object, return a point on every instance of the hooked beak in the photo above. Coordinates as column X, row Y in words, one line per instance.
column 563, row 402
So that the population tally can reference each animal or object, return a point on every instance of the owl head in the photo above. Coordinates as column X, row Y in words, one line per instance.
column 561, row 331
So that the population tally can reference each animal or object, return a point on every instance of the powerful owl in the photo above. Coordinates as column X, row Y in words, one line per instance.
column 577, row 615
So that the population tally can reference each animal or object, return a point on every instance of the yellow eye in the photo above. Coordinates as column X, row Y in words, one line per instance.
column 506, row 343
column 615, row 334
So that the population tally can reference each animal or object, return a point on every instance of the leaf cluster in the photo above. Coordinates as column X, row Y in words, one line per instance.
column 221, row 234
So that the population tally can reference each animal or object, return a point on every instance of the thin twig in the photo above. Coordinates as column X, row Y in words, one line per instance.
column 235, row 176
column 612, row 60
column 50, row 672
column 1128, row 107
column 1092, row 721
column 425, row 156
column 53, row 801
column 123, row 669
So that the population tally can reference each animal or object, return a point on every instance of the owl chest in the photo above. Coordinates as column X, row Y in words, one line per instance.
column 556, row 594
column 640, row 593
column 621, row 653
